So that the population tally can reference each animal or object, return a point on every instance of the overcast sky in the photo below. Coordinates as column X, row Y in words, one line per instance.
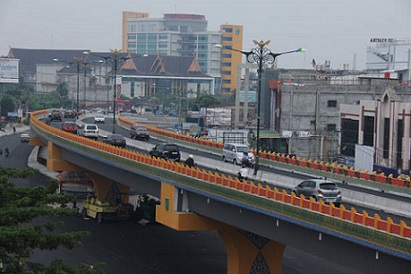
column 329, row 29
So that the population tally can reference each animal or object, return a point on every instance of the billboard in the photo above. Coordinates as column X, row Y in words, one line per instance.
column 9, row 70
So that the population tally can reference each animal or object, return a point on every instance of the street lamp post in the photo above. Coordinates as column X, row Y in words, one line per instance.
column 77, row 60
column 260, row 55
column 85, row 86
column 115, row 60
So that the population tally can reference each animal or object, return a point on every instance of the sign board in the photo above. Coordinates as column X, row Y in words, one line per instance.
column 9, row 70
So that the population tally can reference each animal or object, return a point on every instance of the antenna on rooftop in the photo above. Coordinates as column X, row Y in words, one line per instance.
column 354, row 62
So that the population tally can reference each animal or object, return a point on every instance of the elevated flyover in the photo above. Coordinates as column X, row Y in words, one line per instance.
column 256, row 223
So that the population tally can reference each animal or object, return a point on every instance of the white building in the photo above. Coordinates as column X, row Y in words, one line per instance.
column 384, row 124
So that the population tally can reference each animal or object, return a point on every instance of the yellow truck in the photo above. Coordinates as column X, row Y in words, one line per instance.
column 104, row 211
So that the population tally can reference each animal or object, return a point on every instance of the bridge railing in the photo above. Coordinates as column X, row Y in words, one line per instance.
column 323, row 167
column 371, row 228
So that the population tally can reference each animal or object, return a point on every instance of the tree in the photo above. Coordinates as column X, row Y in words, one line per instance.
column 207, row 100
column 23, row 228
column 62, row 90
column 7, row 104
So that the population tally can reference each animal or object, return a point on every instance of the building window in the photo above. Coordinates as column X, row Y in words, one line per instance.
column 226, row 55
column 349, row 136
column 152, row 37
column 141, row 37
column 331, row 127
column 132, row 45
column 368, row 135
column 227, row 39
column 228, row 30
column 400, row 135
column 386, row 142
column 332, row 103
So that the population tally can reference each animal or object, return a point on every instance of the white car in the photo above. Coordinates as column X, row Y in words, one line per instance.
column 88, row 130
column 25, row 137
column 99, row 119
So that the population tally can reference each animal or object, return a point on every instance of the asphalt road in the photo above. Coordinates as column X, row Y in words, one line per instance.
column 130, row 247
column 396, row 218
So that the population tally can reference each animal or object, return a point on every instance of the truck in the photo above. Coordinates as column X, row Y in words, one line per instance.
column 105, row 211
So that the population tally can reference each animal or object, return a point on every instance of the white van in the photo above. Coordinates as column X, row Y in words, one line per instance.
column 234, row 153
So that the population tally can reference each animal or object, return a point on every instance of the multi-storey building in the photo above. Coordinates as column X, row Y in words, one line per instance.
column 128, row 15
column 231, row 38
column 186, row 35
column 175, row 35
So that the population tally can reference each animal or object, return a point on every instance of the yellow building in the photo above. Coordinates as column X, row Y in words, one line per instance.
column 232, row 37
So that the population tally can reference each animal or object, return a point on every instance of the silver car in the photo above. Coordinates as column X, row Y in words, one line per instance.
column 234, row 153
column 319, row 189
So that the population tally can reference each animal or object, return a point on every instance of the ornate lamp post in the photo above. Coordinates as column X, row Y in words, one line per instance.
column 260, row 55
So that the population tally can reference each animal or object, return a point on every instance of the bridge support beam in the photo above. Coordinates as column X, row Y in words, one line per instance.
column 246, row 252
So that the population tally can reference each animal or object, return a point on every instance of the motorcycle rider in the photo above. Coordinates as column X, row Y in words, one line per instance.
column 246, row 159
column 243, row 173
column 190, row 161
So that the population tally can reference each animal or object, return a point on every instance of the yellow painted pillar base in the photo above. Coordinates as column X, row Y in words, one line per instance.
column 104, row 187
column 54, row 161
column 246, row 252
column 180, row 221
column 250, row 253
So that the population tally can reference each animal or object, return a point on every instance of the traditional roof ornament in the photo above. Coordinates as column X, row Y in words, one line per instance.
column 158, row 65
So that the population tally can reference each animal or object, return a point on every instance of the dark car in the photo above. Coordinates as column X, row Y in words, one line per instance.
column 70, row 114
column 166, row 151
column 319, row 189
column 55, row 115
column 115, row 140
column 69, row 126
column 139, row 132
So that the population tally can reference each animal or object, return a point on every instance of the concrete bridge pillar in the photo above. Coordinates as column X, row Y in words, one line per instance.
column 103, row 186
column 249, row 253
column 107, row 188
column 246, row 252
column 54, row 161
